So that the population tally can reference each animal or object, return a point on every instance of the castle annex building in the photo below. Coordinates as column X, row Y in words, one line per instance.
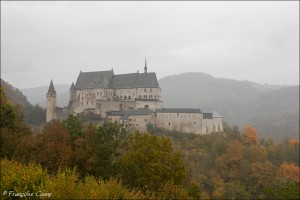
column 133, row 99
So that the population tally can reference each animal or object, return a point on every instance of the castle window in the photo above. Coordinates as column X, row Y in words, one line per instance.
column 125, row 97
column 195, row 122
column 150, row 90
column 100, row 93
column 146, row 96
column 145, row 90
column 92, row 102
column 129, row 97
column 87, row 103
column 155, row 96
column 145, row 120
column 169, row 123
column 49, row 99
column 97, row 93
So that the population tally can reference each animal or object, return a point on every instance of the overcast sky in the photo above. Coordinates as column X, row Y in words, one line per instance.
column 254, row 41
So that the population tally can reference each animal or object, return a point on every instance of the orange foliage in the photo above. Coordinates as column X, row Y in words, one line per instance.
column 289, row 171
column 292, row 141
column 249, row 135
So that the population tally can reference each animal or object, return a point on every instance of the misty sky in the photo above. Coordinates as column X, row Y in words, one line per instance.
column 254, row 41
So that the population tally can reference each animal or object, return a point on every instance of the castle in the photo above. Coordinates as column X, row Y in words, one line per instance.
column 133, row 99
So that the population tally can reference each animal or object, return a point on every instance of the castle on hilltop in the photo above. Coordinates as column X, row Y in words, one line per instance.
column 133, row 99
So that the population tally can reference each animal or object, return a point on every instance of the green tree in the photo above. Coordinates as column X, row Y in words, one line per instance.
column 74, row 125
column 99, row 151
column 150, row 161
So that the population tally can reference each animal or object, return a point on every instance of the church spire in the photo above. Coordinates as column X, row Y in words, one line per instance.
column 145, row 68
column 51, row 89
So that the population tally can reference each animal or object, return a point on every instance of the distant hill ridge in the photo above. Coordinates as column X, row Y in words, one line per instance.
column 34, row 115
column 273, row 110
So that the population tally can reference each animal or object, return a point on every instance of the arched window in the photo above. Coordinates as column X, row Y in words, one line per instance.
column 129, row 97
column 125, row 97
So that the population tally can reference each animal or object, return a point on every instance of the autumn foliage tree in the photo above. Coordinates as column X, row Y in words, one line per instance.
column 150, row 161
column 249, row 135
column 12, row 126
column 289, row 171
column 54, row 146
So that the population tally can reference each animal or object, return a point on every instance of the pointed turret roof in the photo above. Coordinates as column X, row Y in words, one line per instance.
column 51, row 89
column 72, row 86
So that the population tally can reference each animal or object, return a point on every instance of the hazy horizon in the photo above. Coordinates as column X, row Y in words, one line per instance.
column 253, row 41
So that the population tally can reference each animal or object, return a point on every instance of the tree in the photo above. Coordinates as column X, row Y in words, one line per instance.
column 74, row 125
column 172, row 191
column 54, row 146
column 249, row 135
column 12, row 126
column 259, row 177
column 289, row 171
column 150, row 161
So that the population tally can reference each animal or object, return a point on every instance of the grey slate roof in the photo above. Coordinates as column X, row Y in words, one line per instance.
column 123, row 81
column 178, row 110
column 124, row 114
column 98, row 79
column 107, row 79
column 134, row 80
column 51, row 89
column 214, row 113
column 146, row 80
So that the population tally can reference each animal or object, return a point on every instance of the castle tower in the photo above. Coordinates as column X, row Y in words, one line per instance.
column 51, row 102
column 72, row 92
column 145, row 68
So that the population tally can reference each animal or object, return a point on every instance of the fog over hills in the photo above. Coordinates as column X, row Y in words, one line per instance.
column 273, row 110
column 38, row 95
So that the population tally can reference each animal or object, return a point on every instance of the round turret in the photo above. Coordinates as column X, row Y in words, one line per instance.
column 51, row 103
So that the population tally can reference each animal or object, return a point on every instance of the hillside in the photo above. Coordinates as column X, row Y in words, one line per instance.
column 273, row 110
column 34, row 115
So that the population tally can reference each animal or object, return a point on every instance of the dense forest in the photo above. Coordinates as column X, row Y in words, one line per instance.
column 70, row 160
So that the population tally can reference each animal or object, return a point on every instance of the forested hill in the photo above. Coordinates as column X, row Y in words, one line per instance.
column 34, row 115
column 273, row 110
